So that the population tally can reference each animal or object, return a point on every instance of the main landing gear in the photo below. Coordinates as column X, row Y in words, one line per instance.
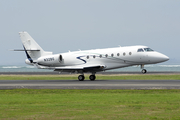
column 91, row 77
column 81, row 77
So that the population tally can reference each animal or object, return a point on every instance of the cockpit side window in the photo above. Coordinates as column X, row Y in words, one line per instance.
column 140, row 50
column 148, row 49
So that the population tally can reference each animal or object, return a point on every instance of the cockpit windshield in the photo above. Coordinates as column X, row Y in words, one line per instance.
column 148, row 49
column 140, row 50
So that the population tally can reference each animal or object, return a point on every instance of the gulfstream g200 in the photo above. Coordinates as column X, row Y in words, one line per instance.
column 89, row 61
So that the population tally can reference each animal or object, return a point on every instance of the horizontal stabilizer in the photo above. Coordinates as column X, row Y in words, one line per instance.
column 25, row 50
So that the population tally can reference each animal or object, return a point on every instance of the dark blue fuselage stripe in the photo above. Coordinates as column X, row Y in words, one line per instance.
column 29, row 58
column 81, row 59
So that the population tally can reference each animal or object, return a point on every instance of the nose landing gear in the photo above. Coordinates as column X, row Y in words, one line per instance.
column 143, row 70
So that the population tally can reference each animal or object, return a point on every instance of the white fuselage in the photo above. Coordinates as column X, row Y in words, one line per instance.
column 88, row 60
column 110, row 58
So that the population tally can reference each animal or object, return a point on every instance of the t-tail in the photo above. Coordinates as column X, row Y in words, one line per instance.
column 32, row 49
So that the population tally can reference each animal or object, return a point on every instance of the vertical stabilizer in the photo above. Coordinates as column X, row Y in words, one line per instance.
column 32, row 49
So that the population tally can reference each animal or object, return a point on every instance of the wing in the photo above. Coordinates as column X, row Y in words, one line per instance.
column 77, row 68
column 89, row 68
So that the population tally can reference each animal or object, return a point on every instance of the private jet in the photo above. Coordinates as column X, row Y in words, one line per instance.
column 89, row 61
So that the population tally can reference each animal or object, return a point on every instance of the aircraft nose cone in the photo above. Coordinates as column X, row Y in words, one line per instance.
column 156, row 57
column 164, row 58
column 161, row 57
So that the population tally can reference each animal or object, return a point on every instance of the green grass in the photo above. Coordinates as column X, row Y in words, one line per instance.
column 99, row 77
column 89, row 104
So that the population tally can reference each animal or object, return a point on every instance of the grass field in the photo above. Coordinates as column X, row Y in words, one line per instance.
column 99, row 77
column 89, row 104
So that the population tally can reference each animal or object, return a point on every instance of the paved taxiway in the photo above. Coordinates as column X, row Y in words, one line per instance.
column 87, row 84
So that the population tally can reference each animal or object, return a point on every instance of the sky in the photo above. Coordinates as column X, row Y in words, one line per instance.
column 63, row 25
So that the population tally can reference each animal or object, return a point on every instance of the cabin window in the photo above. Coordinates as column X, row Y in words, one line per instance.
column 112, row 55
column 124, row 53
column 106, row 55
column 140, row 50
column 100, row 56
column 87, row 57
column 94, row 56
column 118, row 54
column 130, row 53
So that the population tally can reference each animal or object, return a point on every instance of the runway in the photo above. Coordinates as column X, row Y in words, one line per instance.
column 87, row 84
column 103, row 73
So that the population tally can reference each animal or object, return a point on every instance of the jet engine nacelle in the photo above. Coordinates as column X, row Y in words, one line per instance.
column 50, row 60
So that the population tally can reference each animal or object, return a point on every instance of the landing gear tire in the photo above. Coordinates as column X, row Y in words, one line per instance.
column 92, row 77
column 81, row 77
column 144, row 71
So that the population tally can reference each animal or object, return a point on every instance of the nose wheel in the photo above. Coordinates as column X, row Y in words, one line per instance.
column 144, row 71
